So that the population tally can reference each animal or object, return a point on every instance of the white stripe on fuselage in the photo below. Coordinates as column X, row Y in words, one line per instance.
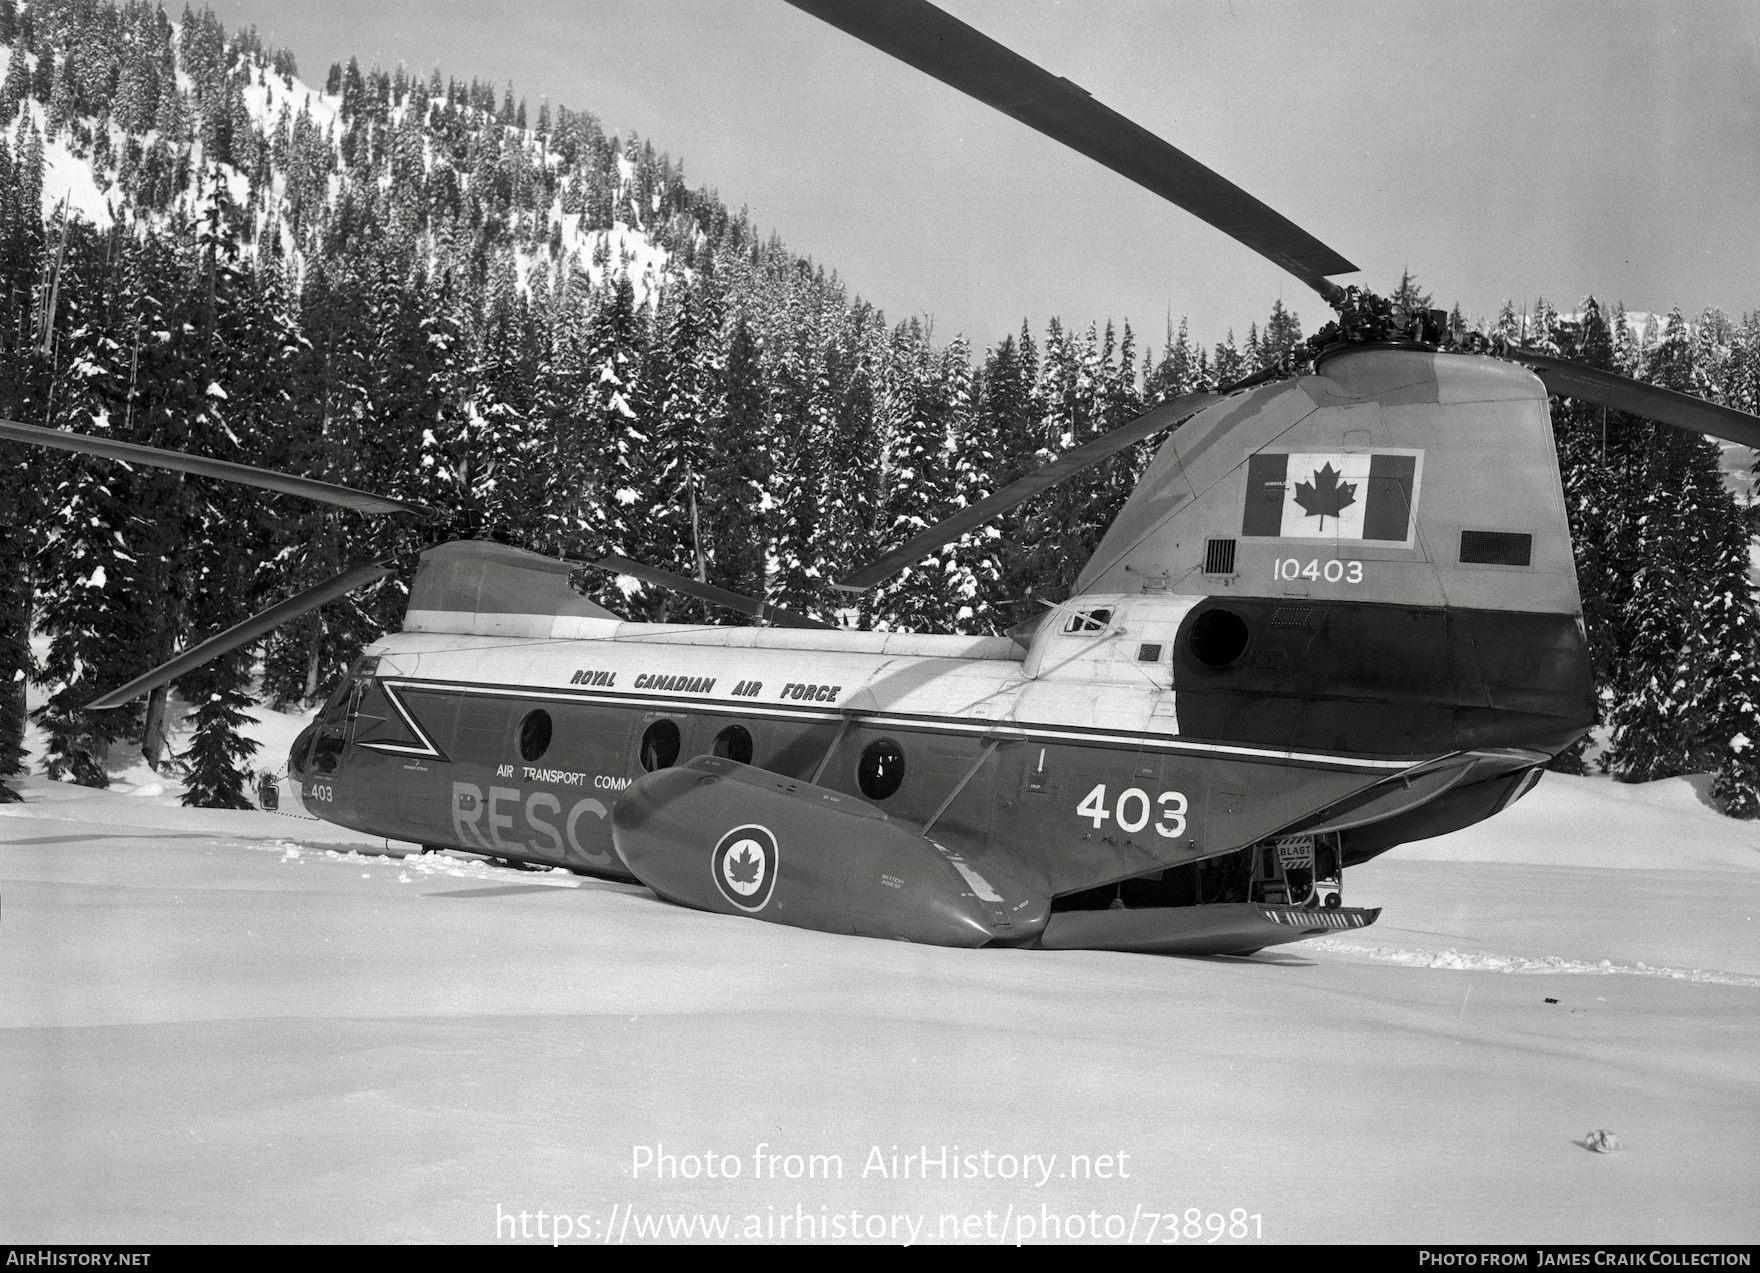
column 961, row 695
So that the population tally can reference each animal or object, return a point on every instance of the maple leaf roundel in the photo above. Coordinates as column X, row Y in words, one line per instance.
column 744, row 866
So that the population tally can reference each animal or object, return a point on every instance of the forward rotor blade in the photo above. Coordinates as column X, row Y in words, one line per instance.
column 708, row 592
column 938, row 44
column 243, row 633
column 1653, row 402
column 225, row 470
column 1065, row 466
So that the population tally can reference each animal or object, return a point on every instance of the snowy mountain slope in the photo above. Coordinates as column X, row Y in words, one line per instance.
column 91, row 179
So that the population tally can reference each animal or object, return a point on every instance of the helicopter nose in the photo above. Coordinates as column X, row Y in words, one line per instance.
column 302, row 746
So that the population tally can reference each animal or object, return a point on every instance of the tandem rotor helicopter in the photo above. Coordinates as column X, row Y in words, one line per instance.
column 1338, row 613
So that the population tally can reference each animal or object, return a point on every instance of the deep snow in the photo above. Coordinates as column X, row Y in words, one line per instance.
column 234, row 1026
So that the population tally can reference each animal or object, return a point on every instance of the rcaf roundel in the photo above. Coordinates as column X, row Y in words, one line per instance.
column 1357, row 495
column 744, row 865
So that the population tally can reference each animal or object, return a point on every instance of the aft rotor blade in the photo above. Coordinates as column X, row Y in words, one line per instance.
column 1065, row 466
column 962, row 57
column 708, row 592
column 244, row 633
column 1653, row 402
column 225, row 470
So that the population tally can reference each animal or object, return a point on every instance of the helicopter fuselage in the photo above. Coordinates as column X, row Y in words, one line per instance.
column 1101, row 755
column 1321, row 627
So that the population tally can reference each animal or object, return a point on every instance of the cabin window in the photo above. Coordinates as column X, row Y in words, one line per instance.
column 735, row 743
column 534, row 735
column 1089, row 621
column 660, row 745
column 1149, row 652
column 880, row 771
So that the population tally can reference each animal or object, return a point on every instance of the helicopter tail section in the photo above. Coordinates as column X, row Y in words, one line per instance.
column 1385, row 568
column 1405, row 477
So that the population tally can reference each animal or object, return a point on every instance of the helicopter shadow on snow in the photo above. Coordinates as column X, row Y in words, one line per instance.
column 509, row 890
column 1256, row 959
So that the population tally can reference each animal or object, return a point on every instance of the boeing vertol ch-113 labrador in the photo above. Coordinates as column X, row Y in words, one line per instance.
column 1338, row 613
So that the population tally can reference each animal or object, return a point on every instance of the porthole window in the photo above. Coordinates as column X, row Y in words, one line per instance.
column 735, row 743
column 880, row 771
column 1218, row 638
column 534, row 735
column 660, row 745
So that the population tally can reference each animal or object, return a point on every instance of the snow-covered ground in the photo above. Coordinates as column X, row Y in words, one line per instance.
column 245, row 1026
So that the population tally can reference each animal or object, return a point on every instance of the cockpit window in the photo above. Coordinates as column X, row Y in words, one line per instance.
column 1089, row 621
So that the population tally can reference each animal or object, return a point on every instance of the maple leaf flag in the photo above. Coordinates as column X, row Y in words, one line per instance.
column 1359, row 495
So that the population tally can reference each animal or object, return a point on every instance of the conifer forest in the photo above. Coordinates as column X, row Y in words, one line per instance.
column 420, row 286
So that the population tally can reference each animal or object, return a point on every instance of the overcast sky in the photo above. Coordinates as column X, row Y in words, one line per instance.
column 1498, row 149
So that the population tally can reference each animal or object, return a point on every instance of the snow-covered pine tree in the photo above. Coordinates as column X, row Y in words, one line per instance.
column 1119, row 402
column 324, row 359
column 223, row 543
column 1651, row 735
column 916, row 422
column 973, row 566
column 1510, row 325
column 1691, row 681
column 849, row 507
column 1409, row 294
column 1228, row 365
column 1043, row 526
column 616, row 521
column 733, row 517
column 685, row 373
column 1721, row 659
column 1743, row 388
column 1722, row 664
column 1599, row 467
column 1175, row 373
column 24, row 385
column 805, row 398
column 16, row 503
column 1006, row 417
column 662, row 469
column 88, row 601
column 796, row 417
column 1283, row 332
column 507, row 440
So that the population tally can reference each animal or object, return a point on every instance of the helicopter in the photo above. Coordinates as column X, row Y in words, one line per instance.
column 1338, row 613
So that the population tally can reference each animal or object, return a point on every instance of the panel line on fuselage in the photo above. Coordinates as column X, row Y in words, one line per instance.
column 914, row 723
column 422, row 748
